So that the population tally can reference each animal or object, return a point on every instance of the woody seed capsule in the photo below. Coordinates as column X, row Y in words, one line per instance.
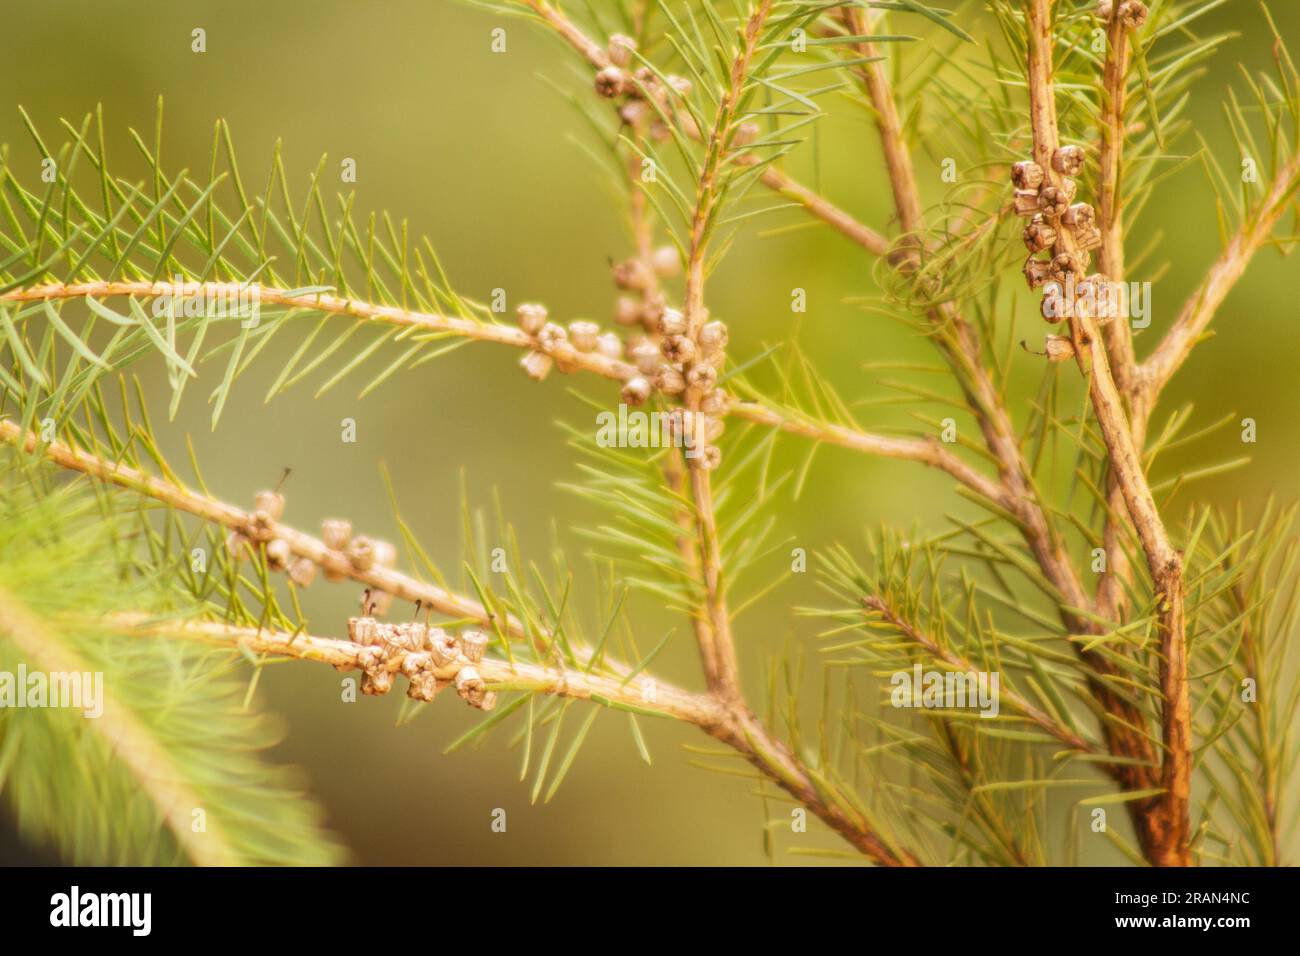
column 303, row 572
column 1068, row 160
column 531, row 317
column 666, row 262
column 1025, row 202
column 711, row 458
column 632, row 274
column 537, row 365
column 1039, row 235
column 469, row 685
column 278, row 554
column 237, row 545
column 361, row 552
column 1037, row 271
column 583, row 335
column 1080, row 214
column 645, row 356
column 610, row 345
column 1026, row 175
column 1133, row 14
column 713, row 336
column 335, row 533
column 442, row 646
column 678, row 349
column 627, row 311
column 672, row 322
column 473, row 644
column 1059, row 348
column 702, row 376
column 620, row 49
column 271, row 502
column 1065, row 265
column 715, row 403
column 1054, row 200
column 669, row 381
column 552, row 336
column 611, row 82
column 636, row 391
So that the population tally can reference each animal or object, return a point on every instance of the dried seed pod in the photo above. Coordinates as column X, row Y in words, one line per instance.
column 473, row 644
column 335, row 533
column 1054, row 200
column 303, row 572
column 636, row 391
column 1088, row 237
column 385, row 554
column 489, row 701
column 1103, row 297
column 710, row 458
column 648, row 81
column 672, row 322
column 1025, row 202
column 620, row 48
column 1055, row 307
column 470, row 687
column 1105, row 8
column 1058, row 348
column 715, row 403
column 610, row 345
column 1067, row 264
column 1133, row 14
column 669, row 381
column 702, row 376
column 1037, row 271
column 552, row 337
column 611, row 82
column 442, row 647
column 713, row 427
column 679, row 85
column 632, row 112
column 652, row 309
column 1039, row 234
column 260, row 525
column 537, row 365
column 531, row 316
column 633, row 274
column 363, row 630
column 270, row 502
column 1026, row 175
column 376, row 683
column 645, row 356
column 678, row 349
column 237, row 545
column 1068, row 160
column 584, row 335
column 713, row 336
column 627, row 311
column 1080, row 214
column 666, row 261
column 361, row 552
column 423, row 684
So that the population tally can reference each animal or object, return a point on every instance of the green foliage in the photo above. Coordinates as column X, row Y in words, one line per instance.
column 65, row 560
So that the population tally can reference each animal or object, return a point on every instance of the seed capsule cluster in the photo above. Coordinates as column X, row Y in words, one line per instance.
column 419, row 651
column 1065, row 230
column 1132, row 13
column 669, row 357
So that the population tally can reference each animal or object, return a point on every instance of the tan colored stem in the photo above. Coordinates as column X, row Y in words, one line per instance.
column 1163, row 823
column 644, row 694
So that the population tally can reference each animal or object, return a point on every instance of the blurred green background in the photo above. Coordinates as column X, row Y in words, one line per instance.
column 483, row 155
